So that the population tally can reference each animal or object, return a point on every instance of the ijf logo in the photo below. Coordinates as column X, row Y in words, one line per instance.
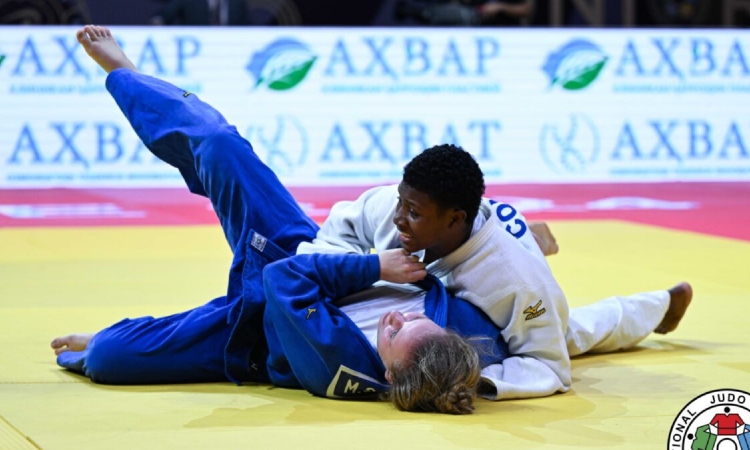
column 571, row 147
column 283, row 64
column 716, row 420
column 575, row 65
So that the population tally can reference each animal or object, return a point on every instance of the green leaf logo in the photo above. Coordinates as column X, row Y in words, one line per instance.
column 576, row 65
column 282, row 65
column 2, row 58
column 281, row 77
column 582, row 76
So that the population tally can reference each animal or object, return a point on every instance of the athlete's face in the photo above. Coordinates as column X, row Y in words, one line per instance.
column 399, row 333
column 423, row 225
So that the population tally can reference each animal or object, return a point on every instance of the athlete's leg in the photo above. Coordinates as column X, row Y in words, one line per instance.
column 622, row 322
column 181, row 348
column 170, row 147
column 212, row 157
column 614, row 323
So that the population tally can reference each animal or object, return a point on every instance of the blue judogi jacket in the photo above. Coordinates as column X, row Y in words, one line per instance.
column 314, row 345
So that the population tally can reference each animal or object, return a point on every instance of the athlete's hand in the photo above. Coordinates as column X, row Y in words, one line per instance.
column 544, row 238
column 398, row 266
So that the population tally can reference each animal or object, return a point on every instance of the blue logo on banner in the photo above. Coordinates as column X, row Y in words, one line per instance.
column 56, row 64
column 58, row 152
column 285, row 145
column 570, row 147
column 649, row 148
column 282, row 65
column 680, row 141
column 659, row 64
column 373, row 149
column 382, row 64
column 575, row 65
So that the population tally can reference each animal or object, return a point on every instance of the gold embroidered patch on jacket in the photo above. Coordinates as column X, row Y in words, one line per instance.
column 533, row 312
column 309, row 312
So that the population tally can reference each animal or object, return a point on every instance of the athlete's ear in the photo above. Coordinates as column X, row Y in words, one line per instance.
column 458, row 217
column 389, row 375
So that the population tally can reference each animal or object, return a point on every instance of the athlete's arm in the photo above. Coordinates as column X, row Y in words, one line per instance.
column 310, row 340
column 539, row 364
column 351, row 227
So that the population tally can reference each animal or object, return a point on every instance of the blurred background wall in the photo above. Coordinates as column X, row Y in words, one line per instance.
column 641, row 13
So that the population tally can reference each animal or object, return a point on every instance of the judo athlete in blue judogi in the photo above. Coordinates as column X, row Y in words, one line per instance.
column 281, row 325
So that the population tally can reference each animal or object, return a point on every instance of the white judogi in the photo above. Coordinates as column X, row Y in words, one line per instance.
column 502, row 270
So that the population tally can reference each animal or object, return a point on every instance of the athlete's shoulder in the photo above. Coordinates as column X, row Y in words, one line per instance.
column 509, row 218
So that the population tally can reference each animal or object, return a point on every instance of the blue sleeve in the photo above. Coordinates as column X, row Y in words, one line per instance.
column 312, row 343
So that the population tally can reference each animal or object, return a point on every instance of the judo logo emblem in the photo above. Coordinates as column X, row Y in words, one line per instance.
column 716, row 420
column 532, row 312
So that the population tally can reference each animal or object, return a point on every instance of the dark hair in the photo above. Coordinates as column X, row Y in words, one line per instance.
column 441, row 375
column 450, row 176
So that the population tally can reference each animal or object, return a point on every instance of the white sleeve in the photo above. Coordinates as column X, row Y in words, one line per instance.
column 352, row 227
column 511, row 220
column 540, row 364
column 521, row 377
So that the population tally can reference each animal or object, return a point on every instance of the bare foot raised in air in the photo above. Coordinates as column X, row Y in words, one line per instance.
column 71, row 343
column 679, row 299
column 102, row 48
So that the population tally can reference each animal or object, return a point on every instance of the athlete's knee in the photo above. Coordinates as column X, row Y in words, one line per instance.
column 224, row 150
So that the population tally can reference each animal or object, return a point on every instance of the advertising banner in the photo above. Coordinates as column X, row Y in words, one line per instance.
column 350, row 106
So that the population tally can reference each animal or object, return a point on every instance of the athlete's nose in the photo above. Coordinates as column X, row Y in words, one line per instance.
column 398, row 218
column 397, row 320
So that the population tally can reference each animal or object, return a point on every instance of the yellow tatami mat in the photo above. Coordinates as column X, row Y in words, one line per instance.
column 57, row 281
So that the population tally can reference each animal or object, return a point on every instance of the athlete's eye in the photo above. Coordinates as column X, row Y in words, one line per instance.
column 393, row 334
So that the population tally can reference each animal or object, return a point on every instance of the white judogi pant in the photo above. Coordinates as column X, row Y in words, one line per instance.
column 615, row 323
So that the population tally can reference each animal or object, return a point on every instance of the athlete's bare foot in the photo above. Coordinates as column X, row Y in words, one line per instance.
column 71, row 343
column 102, row 48
column 544, row 238
column 679, row 300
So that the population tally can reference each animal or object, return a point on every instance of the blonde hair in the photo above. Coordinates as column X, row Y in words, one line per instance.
column 441, row 376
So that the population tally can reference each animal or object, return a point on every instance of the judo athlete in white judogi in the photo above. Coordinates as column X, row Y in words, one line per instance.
column 501, row 269
column 314, row 324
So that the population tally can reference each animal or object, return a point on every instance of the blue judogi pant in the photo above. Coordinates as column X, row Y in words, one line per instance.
column 223, row 339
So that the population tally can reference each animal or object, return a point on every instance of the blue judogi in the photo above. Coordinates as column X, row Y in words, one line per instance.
column 238, row 337
column 223, row 339
column 314, row 345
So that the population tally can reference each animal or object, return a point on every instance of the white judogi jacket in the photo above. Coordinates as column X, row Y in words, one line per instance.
column 500, row 269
